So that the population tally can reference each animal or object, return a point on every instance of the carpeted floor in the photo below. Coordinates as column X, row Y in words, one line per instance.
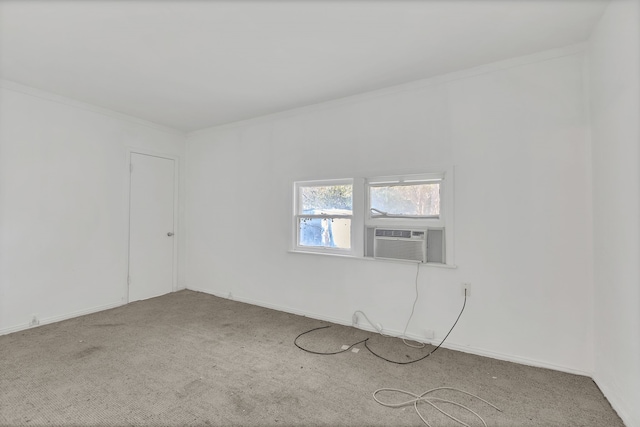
column 190, row 358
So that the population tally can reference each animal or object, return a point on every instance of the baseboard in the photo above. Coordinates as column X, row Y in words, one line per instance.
column 448, row 344
column 270, row 306
column 54, row 319
column 516, row 359
column 618, row 404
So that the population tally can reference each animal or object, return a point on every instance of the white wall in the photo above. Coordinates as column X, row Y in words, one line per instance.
column 63, row 205
column 615, row 112
column 515, row 133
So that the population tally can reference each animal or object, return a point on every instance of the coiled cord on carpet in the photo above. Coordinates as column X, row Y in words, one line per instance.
column 424, row 398
column 416, row 398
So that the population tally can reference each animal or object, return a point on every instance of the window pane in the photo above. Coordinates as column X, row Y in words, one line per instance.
column 328, row 200
column 416, row 200
column 325, row 232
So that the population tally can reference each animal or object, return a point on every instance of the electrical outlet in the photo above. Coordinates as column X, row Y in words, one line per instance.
column 429, row 334
column 465, row 289
column 34, row 320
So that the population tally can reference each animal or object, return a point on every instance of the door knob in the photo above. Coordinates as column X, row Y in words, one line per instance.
column 170, row 234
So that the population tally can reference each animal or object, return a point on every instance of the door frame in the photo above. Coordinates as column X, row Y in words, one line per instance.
column 176, row 210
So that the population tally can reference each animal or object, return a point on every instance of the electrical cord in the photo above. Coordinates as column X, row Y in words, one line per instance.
column 413, row 308
column 417, row 398
column 374, row 326
column 432, row 351
column 321, row 353
column 404, row 337
column 423, row 398
column 295, row 342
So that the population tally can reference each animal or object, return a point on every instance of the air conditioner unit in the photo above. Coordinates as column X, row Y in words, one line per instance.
column 403, row 244
column 406, row 244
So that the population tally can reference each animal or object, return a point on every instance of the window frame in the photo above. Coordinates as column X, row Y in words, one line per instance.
column 298, row 215
column 361, row 219
column 399, row 220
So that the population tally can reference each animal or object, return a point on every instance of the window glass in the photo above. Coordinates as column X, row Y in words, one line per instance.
column 324, row 215
column 419, row 200
column 328, row 199
column 325, row 232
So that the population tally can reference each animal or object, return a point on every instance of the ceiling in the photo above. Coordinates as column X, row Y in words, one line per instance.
column 193, row 64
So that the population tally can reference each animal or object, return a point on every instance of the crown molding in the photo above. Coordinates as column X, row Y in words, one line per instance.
column 38, row 93
column 411, row 86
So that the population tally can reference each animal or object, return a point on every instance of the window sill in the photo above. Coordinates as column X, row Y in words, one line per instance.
column 396, row 261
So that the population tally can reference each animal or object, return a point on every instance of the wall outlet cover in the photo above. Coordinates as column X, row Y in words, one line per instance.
column 34, row 320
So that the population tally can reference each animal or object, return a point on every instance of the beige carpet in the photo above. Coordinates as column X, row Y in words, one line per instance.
column 190, row 358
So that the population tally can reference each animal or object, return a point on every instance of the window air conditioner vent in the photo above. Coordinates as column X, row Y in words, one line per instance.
column 409, row 245
column 393, row 233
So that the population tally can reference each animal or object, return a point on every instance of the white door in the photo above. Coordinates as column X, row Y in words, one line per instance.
column 151, row 233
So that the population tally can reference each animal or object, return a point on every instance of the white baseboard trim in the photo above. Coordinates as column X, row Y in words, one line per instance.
column 54, row 319
column 618, row 404
column 271, row 306
column 516, row 359
column 448, row 344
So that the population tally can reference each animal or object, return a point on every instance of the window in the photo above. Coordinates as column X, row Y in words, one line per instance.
column 324, row 212
column 415, row 198
column 404, row 217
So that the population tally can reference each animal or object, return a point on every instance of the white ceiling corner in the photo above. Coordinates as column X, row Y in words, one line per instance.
column 194, row 64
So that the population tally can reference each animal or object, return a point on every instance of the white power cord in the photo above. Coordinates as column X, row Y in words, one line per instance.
column 418, row 398
column 378, row 327
column 404, row 333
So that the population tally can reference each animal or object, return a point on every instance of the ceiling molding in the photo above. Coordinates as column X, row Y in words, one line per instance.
column 543, row 56
column 38, row 93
